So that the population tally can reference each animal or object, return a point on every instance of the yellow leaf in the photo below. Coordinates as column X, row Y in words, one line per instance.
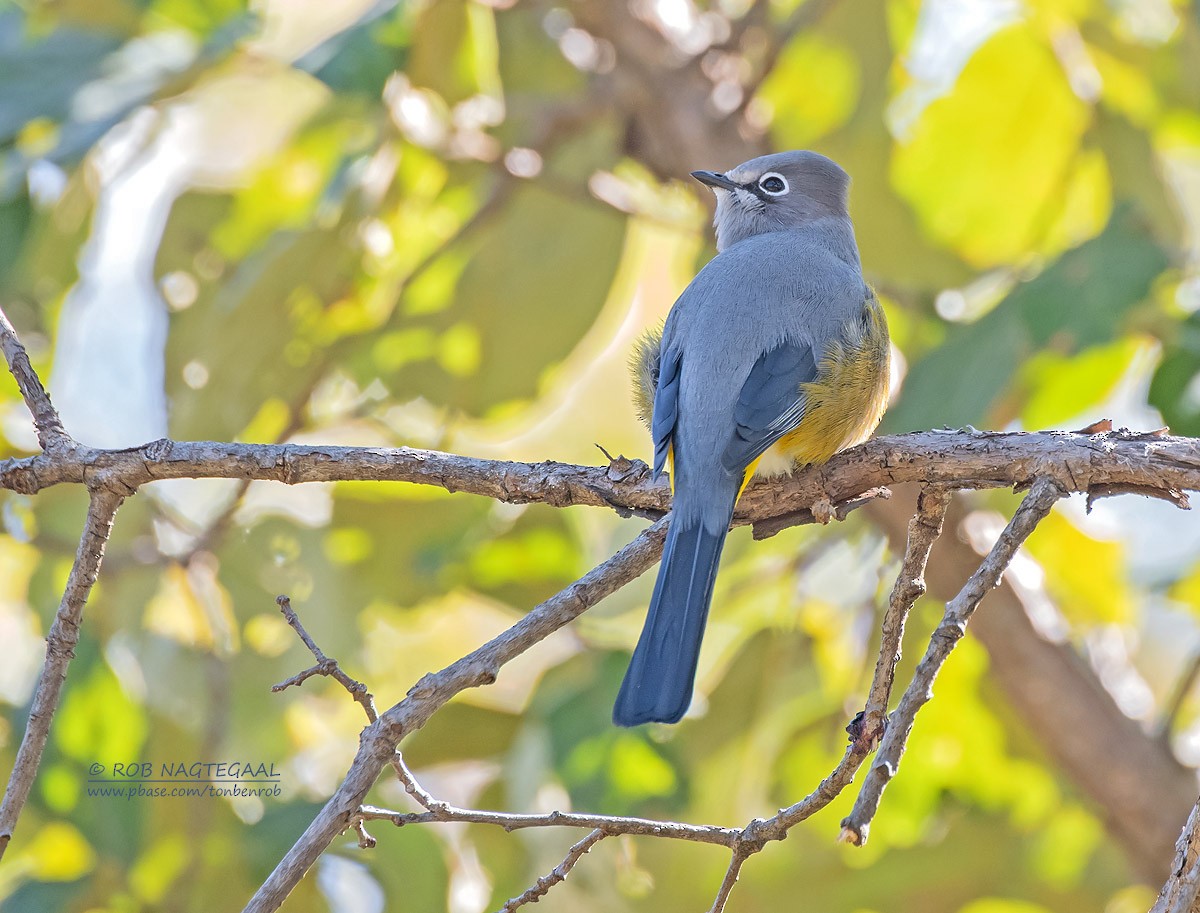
column 1061, row 387
column 59, row 852
column 638, row 770
column 268, row 423
column 1062, row 851
column 459, row 350
column 192, row 607
column 1125, row 88
column 1084, row 576
column 801, row 114
column 988, row 162
column 348, row 545
column 99, row 722
column 392, row 351
column 1187, row 590
column 1086, row 202
column 38, row 137
column 159, row 866
column 1002, row 905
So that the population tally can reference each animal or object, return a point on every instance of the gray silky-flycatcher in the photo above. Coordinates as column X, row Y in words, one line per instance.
column 779, row 347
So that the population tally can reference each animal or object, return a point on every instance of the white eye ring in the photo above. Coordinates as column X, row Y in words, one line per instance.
column 773, row 193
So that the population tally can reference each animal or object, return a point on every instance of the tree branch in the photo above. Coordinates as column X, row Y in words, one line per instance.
column 558, row 874
column 736, row 861
column 60, row 650
column 1182, row 890
column 1179, row 695
column 442, row 813
column 1137, row 787
column 325, row 665
column 1099, row 464
column 743, row 843
column 923, row 530
column 379, row 740
column 962, row 459
column 51, row 434
column 953, row 626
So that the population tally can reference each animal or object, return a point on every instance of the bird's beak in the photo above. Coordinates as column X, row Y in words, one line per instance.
column 714, row 179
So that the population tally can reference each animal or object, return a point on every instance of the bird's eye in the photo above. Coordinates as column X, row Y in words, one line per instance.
column 774, row 184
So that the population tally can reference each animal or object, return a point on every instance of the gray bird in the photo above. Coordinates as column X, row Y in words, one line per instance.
column 777, row 348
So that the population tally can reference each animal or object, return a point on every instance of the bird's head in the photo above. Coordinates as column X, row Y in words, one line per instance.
column 774, row 193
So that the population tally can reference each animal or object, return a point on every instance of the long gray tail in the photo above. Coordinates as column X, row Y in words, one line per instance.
column 658, row 684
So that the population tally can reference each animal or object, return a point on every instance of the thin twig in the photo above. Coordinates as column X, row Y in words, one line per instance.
column 746, row 841
column 1036, row 505
column 325, row 665
column 736, row 861
column 439, row 811
column 365, row 840
column 51, row 434
column 923, row 530
column 377, row 747
column 444, row 813
column 765, row 529
column 558, row 874
column 60, row 649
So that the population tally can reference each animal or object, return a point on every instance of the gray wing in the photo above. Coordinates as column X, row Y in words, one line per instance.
column 666, row 407
column 770, row 404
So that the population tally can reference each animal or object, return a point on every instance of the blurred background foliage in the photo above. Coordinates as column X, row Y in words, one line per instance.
column 442, row 224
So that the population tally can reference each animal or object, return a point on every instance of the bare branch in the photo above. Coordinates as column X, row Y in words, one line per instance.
column 442, row 812
column 1037, row 504
column 60, row 650
column 736, row 861
column 1182, row 889
column 51, row 434
column 751, row 839
column 923, row 530
column 439, row 811
column 765, row 529
column 325, row 665
column 378, row 742
column 557, row 875
column 365, row 840
column 963, row 459
column 1145, row 789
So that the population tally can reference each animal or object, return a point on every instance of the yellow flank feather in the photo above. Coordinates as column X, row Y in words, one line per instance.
column 844, row 404
column 849, row 396
column 748, row 476
column 643, row 365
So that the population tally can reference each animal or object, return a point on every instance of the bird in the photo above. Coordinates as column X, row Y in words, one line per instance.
column 776, row 355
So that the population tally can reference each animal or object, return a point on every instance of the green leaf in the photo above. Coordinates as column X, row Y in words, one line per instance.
column 532, row 286
column 457, row 55
column 1175, row 387
column 1075, row 304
